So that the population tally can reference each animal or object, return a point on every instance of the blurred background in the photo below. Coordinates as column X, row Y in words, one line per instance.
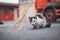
column 14, row 24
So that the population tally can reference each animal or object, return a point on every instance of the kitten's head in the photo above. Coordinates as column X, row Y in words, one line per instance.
column 31, row 19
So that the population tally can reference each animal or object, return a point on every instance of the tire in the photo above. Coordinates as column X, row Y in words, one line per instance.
column 50, row 15
column 48, row 24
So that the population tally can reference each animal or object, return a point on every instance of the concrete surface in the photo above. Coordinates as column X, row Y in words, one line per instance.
column 27, row 33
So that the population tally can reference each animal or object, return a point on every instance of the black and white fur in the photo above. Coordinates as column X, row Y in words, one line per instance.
column 39, row 21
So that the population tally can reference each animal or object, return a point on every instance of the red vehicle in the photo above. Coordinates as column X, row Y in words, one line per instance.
column 50, row 8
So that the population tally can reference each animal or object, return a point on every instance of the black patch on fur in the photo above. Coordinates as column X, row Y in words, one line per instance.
column 30, row 18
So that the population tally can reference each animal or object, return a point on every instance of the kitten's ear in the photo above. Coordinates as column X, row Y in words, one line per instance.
column 35, row 17
column 29, row 18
